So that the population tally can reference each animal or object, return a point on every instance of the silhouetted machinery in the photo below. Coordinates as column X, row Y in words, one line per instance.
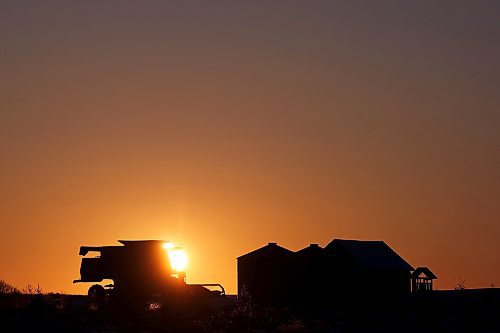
column 141, row 270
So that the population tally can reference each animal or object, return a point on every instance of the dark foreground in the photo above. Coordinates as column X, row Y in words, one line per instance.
column 445, row 311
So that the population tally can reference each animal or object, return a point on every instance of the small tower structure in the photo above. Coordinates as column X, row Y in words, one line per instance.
column 421, row 280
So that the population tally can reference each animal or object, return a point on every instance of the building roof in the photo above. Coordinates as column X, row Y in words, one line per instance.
column 371, row 254
column 423, row 270
column 269, row 249
column 312, row 249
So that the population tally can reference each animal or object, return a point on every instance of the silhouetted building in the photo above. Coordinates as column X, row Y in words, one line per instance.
column 421, row 280
column 310, row 270
column 366, row 270
column 344, row 271
column 265, row 275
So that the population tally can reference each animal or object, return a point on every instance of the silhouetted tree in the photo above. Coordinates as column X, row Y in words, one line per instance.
column 30, row 290
column 6, row 289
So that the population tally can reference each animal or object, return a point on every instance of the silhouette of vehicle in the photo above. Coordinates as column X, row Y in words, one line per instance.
column 141, row 271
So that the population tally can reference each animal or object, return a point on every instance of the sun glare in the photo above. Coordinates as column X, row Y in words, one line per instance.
column 178, row 259
column 168, row 245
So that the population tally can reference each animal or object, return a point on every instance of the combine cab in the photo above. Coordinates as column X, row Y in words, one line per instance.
column 141, row 271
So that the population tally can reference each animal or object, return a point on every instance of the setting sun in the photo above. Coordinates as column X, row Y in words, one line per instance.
column 168, row 245
column 177, row 256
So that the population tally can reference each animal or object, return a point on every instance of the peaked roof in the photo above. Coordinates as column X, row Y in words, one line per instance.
column 371, row 254
column 423, row 270
column 270, row 248
column 312, row 249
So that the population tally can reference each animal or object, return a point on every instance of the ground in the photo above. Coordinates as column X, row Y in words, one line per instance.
column 444, row 311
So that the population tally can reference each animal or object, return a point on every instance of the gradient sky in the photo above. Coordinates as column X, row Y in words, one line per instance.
column 223, row 125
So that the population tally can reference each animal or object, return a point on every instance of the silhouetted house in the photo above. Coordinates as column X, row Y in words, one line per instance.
column 421, row 280
column 366, row 269
column 265, row 275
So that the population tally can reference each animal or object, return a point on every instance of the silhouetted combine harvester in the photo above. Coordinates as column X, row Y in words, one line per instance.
column 142, row 271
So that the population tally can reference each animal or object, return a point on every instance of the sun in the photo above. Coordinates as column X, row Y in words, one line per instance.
column 177, row 256
column 168, row 245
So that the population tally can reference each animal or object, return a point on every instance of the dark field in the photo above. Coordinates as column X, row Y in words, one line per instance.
column 444, row 311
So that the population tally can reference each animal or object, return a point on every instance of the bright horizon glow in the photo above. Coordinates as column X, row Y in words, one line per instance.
column 178, row 259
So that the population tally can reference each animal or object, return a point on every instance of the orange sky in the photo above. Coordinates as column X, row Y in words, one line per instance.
column 224, row 126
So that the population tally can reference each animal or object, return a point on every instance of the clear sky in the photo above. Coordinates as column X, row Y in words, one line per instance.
column 223, row 125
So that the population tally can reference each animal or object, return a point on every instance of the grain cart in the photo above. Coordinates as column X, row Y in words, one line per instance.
column 141, row 270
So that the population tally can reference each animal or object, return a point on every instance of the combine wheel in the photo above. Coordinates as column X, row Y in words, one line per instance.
column 97, row 293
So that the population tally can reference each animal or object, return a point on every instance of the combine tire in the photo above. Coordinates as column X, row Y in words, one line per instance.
column 97, row 293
